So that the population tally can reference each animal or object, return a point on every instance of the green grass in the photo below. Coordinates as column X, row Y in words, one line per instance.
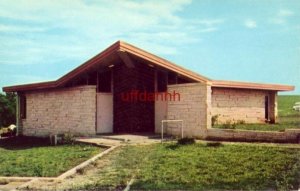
column 24, row 156
column 287, row 117
column 200, row 167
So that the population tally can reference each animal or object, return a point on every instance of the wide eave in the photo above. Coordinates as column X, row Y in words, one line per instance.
column 155, row 60
column 250, row 85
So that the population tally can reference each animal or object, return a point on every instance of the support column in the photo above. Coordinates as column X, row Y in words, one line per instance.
column 18, row 122
column 273, row 106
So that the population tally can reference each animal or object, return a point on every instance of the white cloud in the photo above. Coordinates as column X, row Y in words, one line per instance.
column 250, row 24
column 281, row 16
column 12, row 28
column 209, row 22
column 208, row 30
column 78, row 28
column 285, row 13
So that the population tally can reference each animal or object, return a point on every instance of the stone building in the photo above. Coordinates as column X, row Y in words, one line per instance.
column 107, row 94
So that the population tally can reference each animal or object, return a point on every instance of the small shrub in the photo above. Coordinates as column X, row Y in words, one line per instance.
column 240, row 122
column 229, row 125
column 8, row 132
column 233, row 125
column 186, row 141
column 68, row 138
column 213, row 144
column 214, row 120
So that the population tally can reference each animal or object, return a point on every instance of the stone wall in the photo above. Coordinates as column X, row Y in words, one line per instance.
column 193, row 108
column 60, row 111
column 242, row 104
column 288, row 136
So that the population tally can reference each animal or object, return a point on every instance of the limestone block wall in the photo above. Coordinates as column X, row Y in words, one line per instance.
column 193, row 108
column 242, row 104
column 60, row 111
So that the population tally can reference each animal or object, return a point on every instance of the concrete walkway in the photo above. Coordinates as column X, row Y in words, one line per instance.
column 117, row 139
column 10, row 186
column 99, row 141
column 102, row 140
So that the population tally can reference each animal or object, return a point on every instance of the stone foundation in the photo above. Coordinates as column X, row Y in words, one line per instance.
column 288, row 136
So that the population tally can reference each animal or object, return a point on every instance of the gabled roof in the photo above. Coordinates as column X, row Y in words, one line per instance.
column 118, row 46
column 125, row 47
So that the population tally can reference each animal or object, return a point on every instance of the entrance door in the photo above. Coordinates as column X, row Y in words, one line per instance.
column 104, row 113
column 267, row 108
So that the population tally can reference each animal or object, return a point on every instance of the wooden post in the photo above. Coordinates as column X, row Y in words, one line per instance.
column 18, row 114
column 97, row 83
column 155, row 80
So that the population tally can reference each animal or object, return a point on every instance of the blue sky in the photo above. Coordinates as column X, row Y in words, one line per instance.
column 256, row 41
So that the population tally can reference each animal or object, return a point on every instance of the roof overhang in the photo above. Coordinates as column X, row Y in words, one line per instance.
column 32, row 86
column 250, row 85
column 121, row 47
column 115, row 48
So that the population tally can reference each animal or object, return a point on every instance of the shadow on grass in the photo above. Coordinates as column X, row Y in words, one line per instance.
column 173, row 146
column 21, row 143
column 207, row 183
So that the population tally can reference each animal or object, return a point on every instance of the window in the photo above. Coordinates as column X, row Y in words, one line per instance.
column 172, row 78
column 22, row 107
column 104, row 84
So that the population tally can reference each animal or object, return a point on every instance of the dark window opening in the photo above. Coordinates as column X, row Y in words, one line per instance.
column 172, row 78
column 22, row 107
column 161, row 81
column 104, row 82
column 266, row 108
column 92, row 78
column 79, row 82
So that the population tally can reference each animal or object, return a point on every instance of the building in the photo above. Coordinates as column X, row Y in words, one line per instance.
column 127, row 90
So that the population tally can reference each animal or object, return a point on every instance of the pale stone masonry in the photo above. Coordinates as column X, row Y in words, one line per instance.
column 242, row 104
column 65, row 110
column 70, row 105
column 193, row 108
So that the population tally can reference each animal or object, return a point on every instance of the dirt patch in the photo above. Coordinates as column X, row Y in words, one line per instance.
column 92, row 173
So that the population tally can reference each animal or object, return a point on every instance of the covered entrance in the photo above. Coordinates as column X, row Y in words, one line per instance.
column 120, row 79
column 131, row 114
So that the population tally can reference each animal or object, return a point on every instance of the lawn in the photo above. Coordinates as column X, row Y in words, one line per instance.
column 199, row 166
column 23, row 156
column 287, row 117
